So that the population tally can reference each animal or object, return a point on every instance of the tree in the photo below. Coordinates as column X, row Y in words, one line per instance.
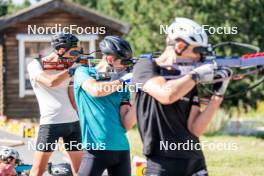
column 26, row 3
column 3, row 8
column 13, row 8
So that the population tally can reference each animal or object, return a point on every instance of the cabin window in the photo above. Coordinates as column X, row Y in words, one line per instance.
column 31, row 46
column 32, row 51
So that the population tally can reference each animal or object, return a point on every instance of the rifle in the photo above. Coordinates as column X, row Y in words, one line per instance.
column 248, row 64
column 65, row 63
column 245, row 65
column 85, row 59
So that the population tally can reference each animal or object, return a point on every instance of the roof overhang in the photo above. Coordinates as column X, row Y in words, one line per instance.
column 73, row 8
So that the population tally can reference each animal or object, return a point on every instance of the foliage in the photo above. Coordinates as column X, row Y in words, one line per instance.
column 8, row 7
column 3, row 8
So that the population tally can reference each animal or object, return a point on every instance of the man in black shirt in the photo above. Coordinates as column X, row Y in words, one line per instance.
column 168, row 112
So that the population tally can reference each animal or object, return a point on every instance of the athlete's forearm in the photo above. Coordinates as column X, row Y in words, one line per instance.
column 167, row 92
column 204, row 118
column 100, row 89
column 180, row 87
column 52, row 80
column 130, row 118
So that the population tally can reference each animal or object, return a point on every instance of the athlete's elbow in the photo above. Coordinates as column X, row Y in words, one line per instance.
column 196, row 132
column 168, row 98
column 129, row 126
column 95, row 93
column 92, row 89
column 51, row 83
column 129, row 121
column 165, row 100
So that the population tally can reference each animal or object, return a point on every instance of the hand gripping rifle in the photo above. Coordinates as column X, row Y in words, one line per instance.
column 245, row 65
column 65, row 63
column 87, row 60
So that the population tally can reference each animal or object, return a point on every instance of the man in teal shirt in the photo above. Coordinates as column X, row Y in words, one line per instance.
column 105, row 112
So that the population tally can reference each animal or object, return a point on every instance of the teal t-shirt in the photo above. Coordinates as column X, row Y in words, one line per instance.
column 99, row 116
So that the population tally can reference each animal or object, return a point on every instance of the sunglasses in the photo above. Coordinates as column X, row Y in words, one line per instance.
column 75, row 52
column 127, row 62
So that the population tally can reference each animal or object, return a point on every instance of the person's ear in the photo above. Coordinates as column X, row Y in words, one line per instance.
column 179, row 46
column 61, row 51
column 110, row 59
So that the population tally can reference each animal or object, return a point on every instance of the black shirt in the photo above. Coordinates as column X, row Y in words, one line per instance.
column 162, row 127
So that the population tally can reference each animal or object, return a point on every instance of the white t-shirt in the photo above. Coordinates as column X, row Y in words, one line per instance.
column 54, row 103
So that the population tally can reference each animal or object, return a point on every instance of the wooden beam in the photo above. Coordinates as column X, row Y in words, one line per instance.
column 73, row 8
column 1, row 81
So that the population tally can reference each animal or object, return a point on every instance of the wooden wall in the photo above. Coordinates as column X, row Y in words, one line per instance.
column 27, row 107
column 1, row 80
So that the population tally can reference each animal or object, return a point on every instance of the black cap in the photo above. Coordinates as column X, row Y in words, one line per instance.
column 115, row 45
column 63, row 40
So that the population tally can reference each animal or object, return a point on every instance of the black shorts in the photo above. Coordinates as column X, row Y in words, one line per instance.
column 48, row 137
column 94, row 163
column 161, row 166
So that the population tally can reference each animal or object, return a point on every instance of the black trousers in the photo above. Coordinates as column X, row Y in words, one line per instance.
column 162, row 166
column 49, row 135
column 94, row 163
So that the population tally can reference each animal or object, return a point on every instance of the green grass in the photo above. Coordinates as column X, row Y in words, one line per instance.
column 246, row 160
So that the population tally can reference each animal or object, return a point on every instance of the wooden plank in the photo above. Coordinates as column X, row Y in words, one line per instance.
column 26, row 103
column 20, row 115
column 11, row 43
column 10, row 73
column 27, row 106
column 23, row 110
column 1, row 82
column 11, row 98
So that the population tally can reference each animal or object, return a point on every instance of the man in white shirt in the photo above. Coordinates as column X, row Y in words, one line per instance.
column 58, row 117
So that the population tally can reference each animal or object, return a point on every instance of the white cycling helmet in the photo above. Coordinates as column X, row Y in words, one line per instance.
column 187, row 30
column 6, row 153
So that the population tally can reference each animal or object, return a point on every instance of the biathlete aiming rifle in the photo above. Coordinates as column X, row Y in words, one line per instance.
column 242, row 66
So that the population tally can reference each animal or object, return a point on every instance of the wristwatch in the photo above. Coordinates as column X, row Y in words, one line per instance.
column 195, row 77
column 71, row 71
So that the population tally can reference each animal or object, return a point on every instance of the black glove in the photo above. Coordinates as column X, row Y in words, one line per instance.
column 72, row 69
column 224, row 73
column 116, row 74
